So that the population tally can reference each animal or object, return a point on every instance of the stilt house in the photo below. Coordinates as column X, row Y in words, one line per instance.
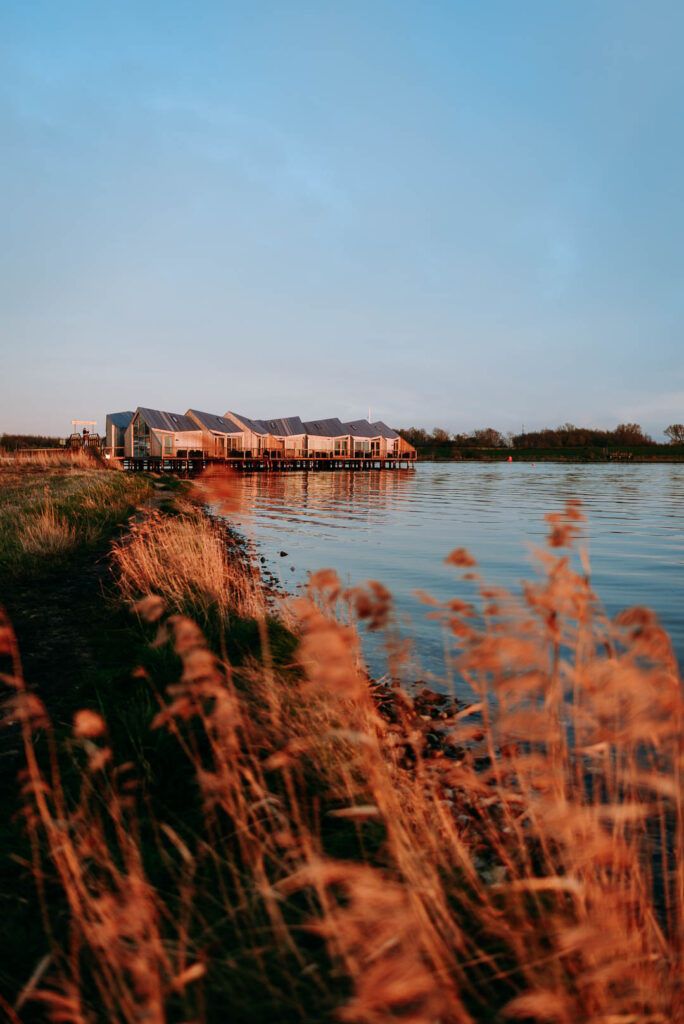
column 153, row 432
column 221, row 436
column 115, row 432
column 289, row 435
column 327, row 438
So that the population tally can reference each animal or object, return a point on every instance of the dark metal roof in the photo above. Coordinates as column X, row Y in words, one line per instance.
column 256, row 426
column 286, row 426
column 158, row 420
column 325, row 428
column 361, row 428
column 219, row 424
column 120, row 419
column 382, row 430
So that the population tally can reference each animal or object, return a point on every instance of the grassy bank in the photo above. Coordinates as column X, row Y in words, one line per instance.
column 52, row 507
column 228, row 820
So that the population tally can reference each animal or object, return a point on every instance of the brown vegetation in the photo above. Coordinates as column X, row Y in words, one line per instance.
column 567, row 436
column 338, row 862
column 52, row 503
column 19, row 442
column 675, row 432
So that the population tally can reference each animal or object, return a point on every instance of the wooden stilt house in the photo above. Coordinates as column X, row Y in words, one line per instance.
column 327, row 438
column 116, row 425
column 256, row 438
column 392, row 444
column 221, row 436
column 154, row 433
column 289, row 433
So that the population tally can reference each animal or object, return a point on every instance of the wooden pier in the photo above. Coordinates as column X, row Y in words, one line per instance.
column 190, row 466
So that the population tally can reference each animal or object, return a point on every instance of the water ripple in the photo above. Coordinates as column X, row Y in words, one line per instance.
column 398, row 527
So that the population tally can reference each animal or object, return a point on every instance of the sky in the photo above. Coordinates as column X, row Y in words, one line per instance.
column 456, row 214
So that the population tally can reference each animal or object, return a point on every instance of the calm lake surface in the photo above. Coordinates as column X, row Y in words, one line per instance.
column 398, row 526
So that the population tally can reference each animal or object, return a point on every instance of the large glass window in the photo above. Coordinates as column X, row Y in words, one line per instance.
column 141, row 438
column 341, row 446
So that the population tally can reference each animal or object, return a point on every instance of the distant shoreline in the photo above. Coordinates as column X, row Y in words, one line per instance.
column 567, row 461
column 619, row 458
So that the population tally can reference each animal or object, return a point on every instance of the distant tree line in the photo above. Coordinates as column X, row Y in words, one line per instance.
column 625, row 436
column 13, row 442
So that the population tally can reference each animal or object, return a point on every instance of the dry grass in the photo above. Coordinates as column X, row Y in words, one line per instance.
column 48, row 510
column 187, row 560
column 521, row 858
column 52, row 459
column 47, row 532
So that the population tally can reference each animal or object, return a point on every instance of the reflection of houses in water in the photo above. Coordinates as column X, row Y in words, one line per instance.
column 159, row 435
column 349, row 498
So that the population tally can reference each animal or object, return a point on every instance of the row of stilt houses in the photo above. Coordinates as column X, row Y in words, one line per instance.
column 152, row 434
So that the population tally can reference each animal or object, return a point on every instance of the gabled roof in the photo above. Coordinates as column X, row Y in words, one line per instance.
column 382, row 430
column 287, row 426
column 256, row 426
column 361, row 428
column 120, row 419
column 158, row 420
column 325, row 428
column 219, row 424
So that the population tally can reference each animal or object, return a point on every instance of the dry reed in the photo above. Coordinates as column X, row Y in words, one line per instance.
column 47, row 532
column 519, row 858
column 54, row 459
column 186, row 560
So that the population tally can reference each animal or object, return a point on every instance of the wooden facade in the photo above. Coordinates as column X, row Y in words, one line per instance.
column 153, row 434
column 116, row 425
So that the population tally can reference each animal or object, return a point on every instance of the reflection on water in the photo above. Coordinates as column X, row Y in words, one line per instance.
column 397, row 526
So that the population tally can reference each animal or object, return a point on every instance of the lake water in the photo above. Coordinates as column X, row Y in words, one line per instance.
column 398, row 526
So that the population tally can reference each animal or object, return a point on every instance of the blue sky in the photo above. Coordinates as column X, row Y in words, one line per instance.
column 458, row 214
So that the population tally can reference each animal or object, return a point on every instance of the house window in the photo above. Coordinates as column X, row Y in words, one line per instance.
column 168, row 445
column 341, row 446
column 141, row 438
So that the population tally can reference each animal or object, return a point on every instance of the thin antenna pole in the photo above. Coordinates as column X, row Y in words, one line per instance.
column 369, row 419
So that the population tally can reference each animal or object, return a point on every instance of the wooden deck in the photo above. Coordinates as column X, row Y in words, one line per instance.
column 260, row 464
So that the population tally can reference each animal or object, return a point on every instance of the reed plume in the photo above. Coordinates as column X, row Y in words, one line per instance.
column 358, row 851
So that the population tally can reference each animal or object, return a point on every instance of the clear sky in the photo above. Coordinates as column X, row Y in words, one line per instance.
column 460, row 214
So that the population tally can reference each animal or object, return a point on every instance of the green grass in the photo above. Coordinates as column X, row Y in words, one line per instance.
column 47, row 513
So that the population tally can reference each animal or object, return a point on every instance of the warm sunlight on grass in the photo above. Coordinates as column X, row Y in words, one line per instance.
column 186, row 559
column 49, row 507
column 331, row 849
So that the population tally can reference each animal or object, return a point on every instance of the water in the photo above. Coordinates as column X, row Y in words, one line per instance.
column 398, row 527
